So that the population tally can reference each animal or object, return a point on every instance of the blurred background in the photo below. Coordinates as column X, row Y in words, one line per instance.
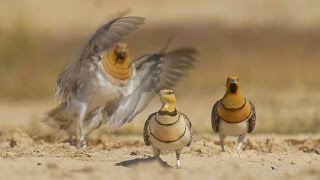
column 273, row 46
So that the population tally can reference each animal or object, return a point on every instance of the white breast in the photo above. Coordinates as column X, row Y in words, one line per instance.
column 103, row 88
column 233, row 129
column 102, row 91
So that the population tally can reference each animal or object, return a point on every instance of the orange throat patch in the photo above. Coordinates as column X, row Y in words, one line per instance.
column 234, row 108
column 121, row 71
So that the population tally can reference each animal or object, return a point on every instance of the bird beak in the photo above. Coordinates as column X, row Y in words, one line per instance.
column 233, row 86
column 121, row 55
column 233, row 81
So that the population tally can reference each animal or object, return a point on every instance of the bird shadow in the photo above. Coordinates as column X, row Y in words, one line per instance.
column 138, row 161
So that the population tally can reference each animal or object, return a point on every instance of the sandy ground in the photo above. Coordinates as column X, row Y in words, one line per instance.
column 28, row 151
column 126, row 157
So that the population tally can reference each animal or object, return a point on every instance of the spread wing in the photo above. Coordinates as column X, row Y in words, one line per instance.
column 189, row 126
column 154, row 72
column 252, row 120
column 215, row 118
column 105, row 37
column 175, row 66
column 145, row 130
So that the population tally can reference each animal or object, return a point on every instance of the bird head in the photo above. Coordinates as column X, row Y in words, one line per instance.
column 233, row 84
column 117, row 62
column 167, row 96
column 121, row 52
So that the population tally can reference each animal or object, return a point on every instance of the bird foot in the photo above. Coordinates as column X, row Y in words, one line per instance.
column 238, row 153
column 178, row 164
column 82, row 145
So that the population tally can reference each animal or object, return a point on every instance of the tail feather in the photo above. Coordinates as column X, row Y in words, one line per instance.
column 63, row 117
column 57, row 118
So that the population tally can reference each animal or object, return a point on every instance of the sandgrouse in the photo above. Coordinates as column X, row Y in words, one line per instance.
column 168, row 129
column 103, row 85
column 233, row 115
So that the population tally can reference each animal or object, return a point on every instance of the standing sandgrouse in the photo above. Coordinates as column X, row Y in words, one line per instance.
column 233, row 115
column 103, row 85
column 168, row 129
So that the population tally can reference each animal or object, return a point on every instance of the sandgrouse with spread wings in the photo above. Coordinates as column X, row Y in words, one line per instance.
column 168, row 129
column 102, row 85
column 233, row 115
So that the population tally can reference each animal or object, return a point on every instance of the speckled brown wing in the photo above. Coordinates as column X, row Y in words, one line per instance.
column 189, row 126
column 145, row 130
column 215, row 118
column 252, row 120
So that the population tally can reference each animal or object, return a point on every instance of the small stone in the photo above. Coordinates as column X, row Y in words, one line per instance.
column 52, row 165
column 293, row 162
column 134, row 153
column 39, row 164
column 10, row 155
column 273, row 168
column 13, row 143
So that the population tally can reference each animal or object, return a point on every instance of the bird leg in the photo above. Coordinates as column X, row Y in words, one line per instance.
column 81, row 143
column 57, row 137
column 157, row 153
column 178, row 152
column 72, row 139
column 92, row 121
column 222, row 137
column 240, row 141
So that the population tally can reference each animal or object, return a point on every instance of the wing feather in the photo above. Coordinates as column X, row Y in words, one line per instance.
column 145, row 130
column 105, row 37
column 215, row 118
column 129, row 106
column 189, row 126
column 154, row 72
column 177, row 62
column 252, row 120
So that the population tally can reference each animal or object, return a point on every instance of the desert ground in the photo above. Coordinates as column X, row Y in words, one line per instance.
column 126, row 157
column 29, row 150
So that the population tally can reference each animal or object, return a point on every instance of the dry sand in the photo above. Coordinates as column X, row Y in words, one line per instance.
column 126, row 157
column 28, row 150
